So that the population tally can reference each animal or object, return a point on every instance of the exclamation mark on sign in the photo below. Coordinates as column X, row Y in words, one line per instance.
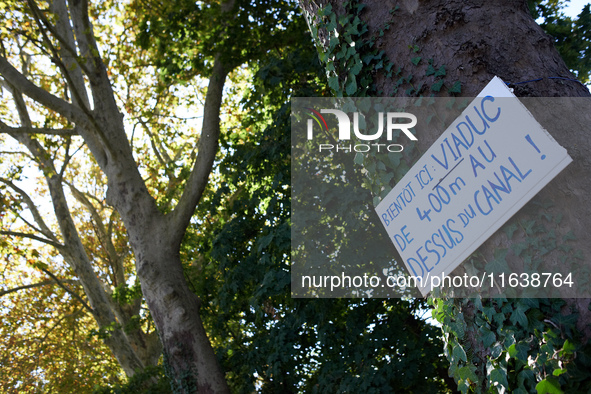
column 528, row 138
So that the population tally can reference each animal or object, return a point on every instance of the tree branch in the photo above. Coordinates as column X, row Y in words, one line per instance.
column 153, row 143
column 22, row 84
column 67, row 44
column 84, row 32
column 71, row 292
column 206, row 152
column 207, row 146
column 33, row 208
column 18, row 84
column 34, row 237
column 38, row 284
column 65, row 58
column 106, row 241
column 37, row 130
column 72, row 64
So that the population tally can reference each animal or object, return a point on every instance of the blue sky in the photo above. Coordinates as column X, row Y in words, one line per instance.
column 574, row 7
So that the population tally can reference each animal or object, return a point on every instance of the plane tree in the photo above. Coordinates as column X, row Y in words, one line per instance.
column 89, row 111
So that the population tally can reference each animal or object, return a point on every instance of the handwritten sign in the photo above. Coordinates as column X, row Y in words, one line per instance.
column 486, row 165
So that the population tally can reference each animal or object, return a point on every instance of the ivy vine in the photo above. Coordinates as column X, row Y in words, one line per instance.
column 527, row 345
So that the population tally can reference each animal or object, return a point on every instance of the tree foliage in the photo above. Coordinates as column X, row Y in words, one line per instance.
column 572, row 37
column 273, row 343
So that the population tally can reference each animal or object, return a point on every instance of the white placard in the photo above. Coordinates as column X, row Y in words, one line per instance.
column 486, row 165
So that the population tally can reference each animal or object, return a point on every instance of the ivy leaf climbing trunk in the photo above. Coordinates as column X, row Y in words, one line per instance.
column 448, row 47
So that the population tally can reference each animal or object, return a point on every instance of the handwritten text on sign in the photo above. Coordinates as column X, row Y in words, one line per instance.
column 492, row 160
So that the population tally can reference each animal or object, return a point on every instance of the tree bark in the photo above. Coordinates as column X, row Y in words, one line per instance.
column 155, row 239
column 477, row 40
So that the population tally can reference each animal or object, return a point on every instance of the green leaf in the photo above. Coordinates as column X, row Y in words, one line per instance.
column 440, row 72
column 333, row 83
column 436, row 87
column 496, row 351
column 351, row 86
column 518, row 351
column 569, row 236
column 519, row 248
column 395, row 161
column 526, row 375
column 499, row 264
column 519, row 317
column 489, row 311
column 265, row 241
column 332, row 43
column 500, row 376
column 510, row 229
column 430, row 70
column 356, row 69
column 488, row 337
column 467, row 372
column 350, row 52
column 459, row 353
column 358, row 158
column 565, row 320
column 386, row 177
column 415, row 60
column 549, row 386
column 456, row 87
column 568, row 348
column 558, row 372
column 499, row 318
column 368, row 58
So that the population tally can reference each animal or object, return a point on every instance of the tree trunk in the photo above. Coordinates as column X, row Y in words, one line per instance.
column 475, row 41
column 188, row 356
column 156, row 238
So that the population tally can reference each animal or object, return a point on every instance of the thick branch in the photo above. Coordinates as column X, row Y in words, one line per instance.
column 68, row 46
column 208, row 144
column 65, row 58
column 84, row 32
column 206, row 152
column 72, row 67
column 18, row 84
column 22, row 84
